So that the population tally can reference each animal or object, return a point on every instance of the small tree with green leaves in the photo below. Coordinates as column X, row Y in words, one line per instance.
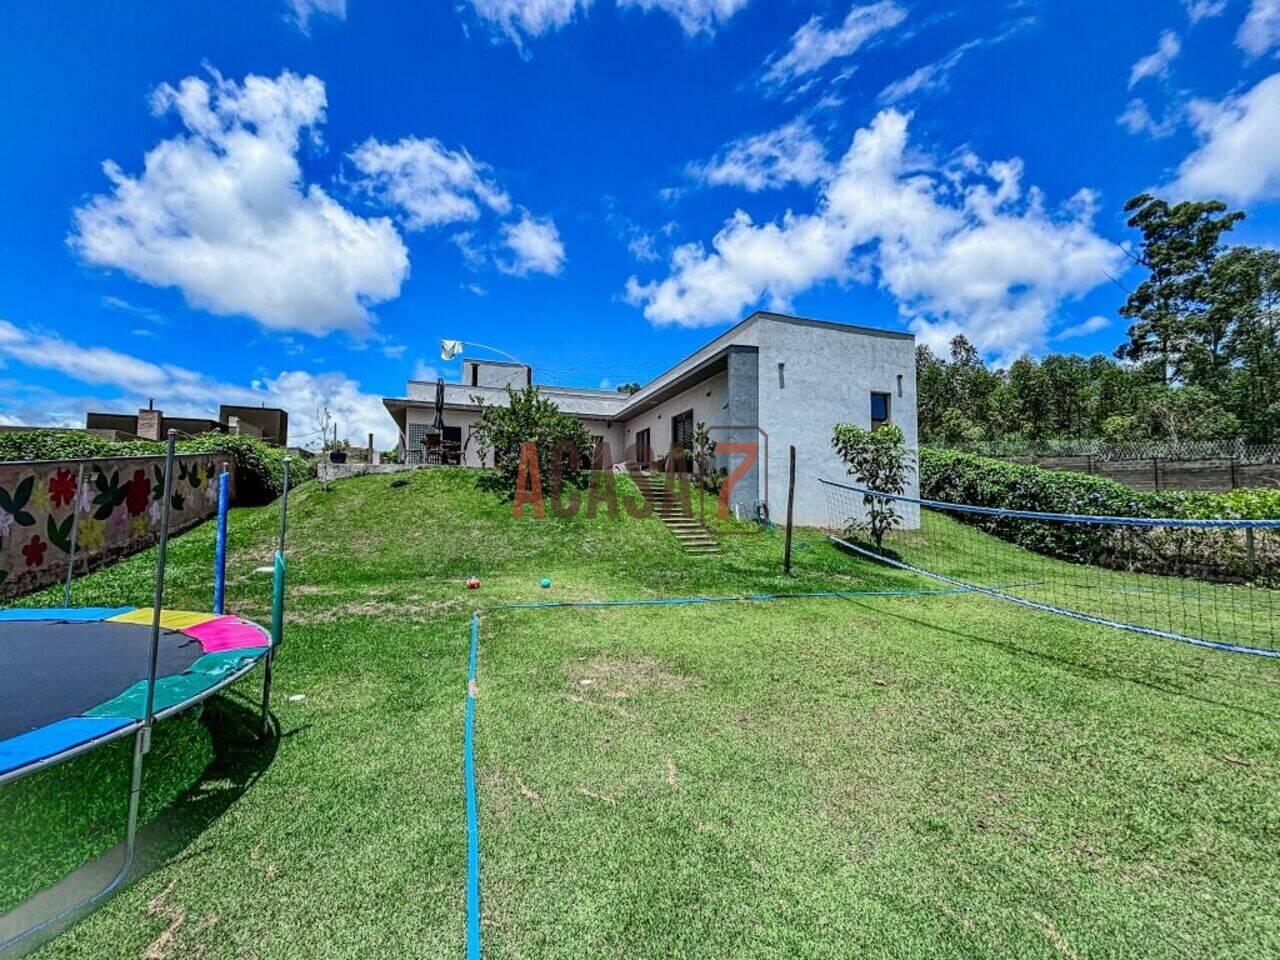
column 878, row 460
column 529, row 417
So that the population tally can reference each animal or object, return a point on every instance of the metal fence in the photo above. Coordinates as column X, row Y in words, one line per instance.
column 1131, row 450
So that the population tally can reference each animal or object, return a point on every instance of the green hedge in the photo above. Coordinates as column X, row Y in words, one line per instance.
column 259, row 467
column 966, row 478
column 985, row 482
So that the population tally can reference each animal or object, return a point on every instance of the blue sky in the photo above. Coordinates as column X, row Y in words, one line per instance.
column 291, row 201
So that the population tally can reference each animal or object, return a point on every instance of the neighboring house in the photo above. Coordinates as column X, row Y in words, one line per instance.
column 269, row 424
column 769, row 382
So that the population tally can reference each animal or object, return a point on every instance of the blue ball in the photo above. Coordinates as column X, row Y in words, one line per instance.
column 546, row 583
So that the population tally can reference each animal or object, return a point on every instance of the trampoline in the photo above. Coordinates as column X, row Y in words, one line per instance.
column 75, row 678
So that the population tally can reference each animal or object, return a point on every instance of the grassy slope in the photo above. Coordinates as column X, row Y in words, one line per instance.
column 892, row 777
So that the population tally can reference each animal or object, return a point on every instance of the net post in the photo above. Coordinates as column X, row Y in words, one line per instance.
column 220, row 556
column 75, row 529
column 791, row 499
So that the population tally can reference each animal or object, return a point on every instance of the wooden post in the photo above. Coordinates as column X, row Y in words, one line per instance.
column 371, row 448
column 791, row 499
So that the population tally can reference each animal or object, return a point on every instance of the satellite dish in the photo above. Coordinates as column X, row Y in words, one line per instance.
column 450, row 349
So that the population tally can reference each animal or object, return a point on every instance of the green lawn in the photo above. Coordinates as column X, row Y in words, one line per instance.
column 932, row 776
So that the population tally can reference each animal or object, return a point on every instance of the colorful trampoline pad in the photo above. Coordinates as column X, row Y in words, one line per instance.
column 171, row 619
column 70, row 677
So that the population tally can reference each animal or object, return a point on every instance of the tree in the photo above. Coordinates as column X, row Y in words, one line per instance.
column 704, row 458
column 1245, row 291
column 879, row 461
column 563, row 445
column 1167, row 311
column 629, row 388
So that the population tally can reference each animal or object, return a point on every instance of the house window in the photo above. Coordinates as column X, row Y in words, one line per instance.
column 475, row 374
column 682, row 431
column 879, row 410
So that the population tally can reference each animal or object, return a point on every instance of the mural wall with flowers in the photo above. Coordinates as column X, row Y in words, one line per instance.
column 118, row 505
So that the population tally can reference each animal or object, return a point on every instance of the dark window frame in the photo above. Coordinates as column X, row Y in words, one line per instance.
column 878, row 422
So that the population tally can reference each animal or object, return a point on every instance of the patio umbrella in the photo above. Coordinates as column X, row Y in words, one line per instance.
column 437, row 425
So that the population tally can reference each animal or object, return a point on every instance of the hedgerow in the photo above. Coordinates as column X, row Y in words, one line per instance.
column 966, row 478
column 259, row 467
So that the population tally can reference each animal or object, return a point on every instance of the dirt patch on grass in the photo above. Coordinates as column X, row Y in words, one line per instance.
column 379, row 609
column 619, row 678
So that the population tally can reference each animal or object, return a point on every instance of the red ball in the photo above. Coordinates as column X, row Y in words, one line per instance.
column 473, row 583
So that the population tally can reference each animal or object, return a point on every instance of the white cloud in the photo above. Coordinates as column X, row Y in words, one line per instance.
column 222, row 212
column 425, row 371
column 519, row 19
column 431, row 184
column 694, row 16
column 181, row 391
column 303, row 9
column 813, row 46
column 1261, row 28
column 1238, row 159
column 1156, row 63
column 1084, row 328
column 788, row 154
column 641, row 247
column 535, row 245
column 1137, row 118
column 1198, row 10
column 962, row 247
column 932, row 76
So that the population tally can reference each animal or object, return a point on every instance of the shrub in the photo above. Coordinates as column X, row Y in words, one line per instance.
column 877, row 459
column 259, row 467
column 529, row 418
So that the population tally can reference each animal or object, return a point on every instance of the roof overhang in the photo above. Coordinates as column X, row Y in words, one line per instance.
column 715, row 364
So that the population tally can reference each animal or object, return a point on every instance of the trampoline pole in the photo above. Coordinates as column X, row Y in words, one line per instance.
column 220, row 559
column 75, row 529
column 277, row 605
column 142, row 743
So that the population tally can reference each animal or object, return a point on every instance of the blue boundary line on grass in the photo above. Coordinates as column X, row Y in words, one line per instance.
column 473, row 819
column 468, row 737
column 733, row 598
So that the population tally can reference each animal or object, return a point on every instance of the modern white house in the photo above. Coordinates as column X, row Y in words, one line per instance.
column 769, row 382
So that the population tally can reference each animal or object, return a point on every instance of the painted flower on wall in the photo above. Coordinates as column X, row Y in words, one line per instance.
column 6, row 522
column 211, row 489
column 155, row 512
column 62, row 487
column 139, row 495
column 139, row 526
column 41, row 502
column 92, row 534
column 34, row 551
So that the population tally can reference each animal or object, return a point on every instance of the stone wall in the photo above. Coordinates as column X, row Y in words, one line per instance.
column 118, row 505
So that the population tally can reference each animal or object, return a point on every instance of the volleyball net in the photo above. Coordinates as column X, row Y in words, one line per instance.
column 1213, row 583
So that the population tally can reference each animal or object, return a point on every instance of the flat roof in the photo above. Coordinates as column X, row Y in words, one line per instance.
column 655, row 391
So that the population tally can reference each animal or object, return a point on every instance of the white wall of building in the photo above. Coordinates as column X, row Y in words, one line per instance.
column 827, row 378
column 707, row 399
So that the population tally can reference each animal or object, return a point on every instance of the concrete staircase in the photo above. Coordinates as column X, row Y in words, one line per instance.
column 692, row 535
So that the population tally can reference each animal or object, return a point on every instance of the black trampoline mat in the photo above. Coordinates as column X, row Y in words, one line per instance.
column 54, row 669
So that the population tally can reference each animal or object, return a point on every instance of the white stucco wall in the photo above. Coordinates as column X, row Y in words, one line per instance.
column 828, row 377
column 707, row 399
